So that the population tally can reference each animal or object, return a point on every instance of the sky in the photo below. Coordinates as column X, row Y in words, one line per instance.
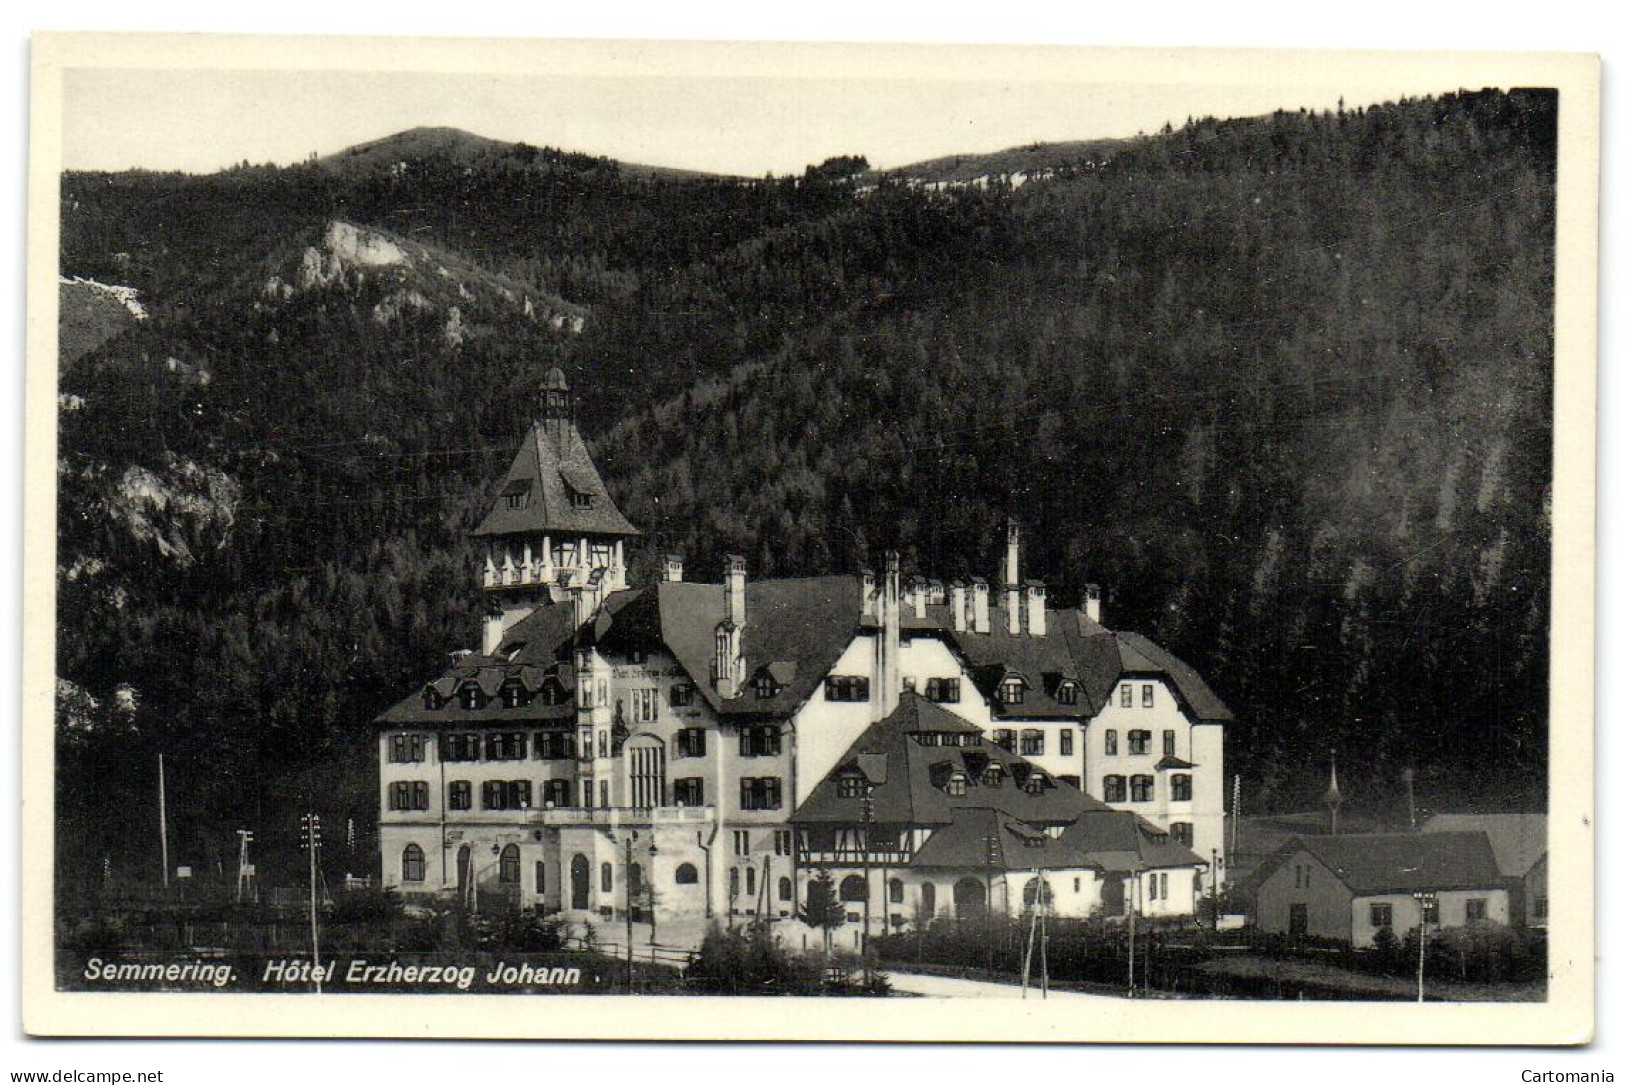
column 747, row 124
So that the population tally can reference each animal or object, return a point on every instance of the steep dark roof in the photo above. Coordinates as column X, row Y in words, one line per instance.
column 796, row 628
column 1518, row 840
column 913, row 793
column 1121, row 841
column 552, row 461
column 1369, row 863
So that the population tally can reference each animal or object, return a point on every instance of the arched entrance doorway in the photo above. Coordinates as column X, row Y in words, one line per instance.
column 970, row 898
column 580, row 872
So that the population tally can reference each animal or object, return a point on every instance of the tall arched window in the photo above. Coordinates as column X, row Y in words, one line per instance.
column 687, row 875
column 894, row 888
column 787, row 891
column 1030, row 894
column 852, row 888
column 928, row 900
column 411, row 863
column 606, row 878
column 508, row 865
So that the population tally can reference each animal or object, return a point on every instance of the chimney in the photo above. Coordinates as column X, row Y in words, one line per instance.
column 866, row 587
column 921, row 596
column 1035, row 608
column 1091, row 601
column 978, row 604
column 492, row 638
column 956, row 602
column 890, row 644
column 1012, row 576
column 672, row 571
column 734, row 589
column 580, row 601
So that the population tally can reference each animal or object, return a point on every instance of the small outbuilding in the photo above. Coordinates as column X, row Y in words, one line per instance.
column 1349, row 887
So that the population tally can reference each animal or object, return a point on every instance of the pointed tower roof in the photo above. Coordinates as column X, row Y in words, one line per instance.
column 552, row 485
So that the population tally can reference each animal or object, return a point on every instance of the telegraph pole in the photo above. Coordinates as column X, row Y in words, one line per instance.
column 1424, row 897
column 992, row 840
column 868, row 888
column 1133, row 892
column 163, row 822
column 627, row 867
column 311, row 829
column 244, row 868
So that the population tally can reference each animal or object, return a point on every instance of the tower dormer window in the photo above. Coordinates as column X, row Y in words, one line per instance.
column 579, row 500
column 1067, row 693
column 516, row 495
column 765, row 687
column 1012, row 690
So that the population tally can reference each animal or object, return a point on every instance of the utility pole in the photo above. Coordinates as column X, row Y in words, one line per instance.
column 245, row 870
column 1133, row 892
column 627, row 867
column 1409, row 776
column 1424, row 898
column 992, row 841
column 311, row 830
column 868, row 887
column 1213, row 877
column 163, row 822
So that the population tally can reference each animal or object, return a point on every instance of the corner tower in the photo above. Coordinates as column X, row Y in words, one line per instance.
column 553, row 530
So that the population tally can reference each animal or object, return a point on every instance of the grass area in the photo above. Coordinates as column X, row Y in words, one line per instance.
column 1330, row 978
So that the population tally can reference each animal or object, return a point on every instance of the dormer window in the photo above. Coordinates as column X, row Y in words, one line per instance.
column 1036, row 783
column 1067, row 693
column 432, row 699
column 579, row 500
column 1012, row 690
column 993, row 775
column 766, row 688
column 516, row 495
column 849, row 787
column 955, row 784
column 472, row 697
column 942, row 690
column 514, row 695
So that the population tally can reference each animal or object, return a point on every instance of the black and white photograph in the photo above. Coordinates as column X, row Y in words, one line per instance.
column 1070, row 533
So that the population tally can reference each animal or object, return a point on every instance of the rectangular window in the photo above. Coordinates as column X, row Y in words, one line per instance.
column 742, row 842
column 1139, row 742
column 603, row 794
column 505, row 746
column 541, row 877
column 691, row 742
column 556, row 793
column 689, row 791
column 760, row 793
column 1032, row 743
column 1111, row 743
column 1116, row 789
column 682, row 695
column 1382, row 915
column 759, row 741
column 460, row 747
column 405, row 749
column 1180, row 831
column 849, row 787
column 781, row 841
column 505, row 795
column 1012, row 691
column 942, row 690
column 1478, row 909
column 555, row 745
column 1180, row 787
column 1067, row 693
column 1126, row 696
column 586, row 794
column 1153, row 887
column 1146, row 694
column 645, row 705
column 1066, row 742
column 846, row 688
column 1430, row 911
column 1168, row 744
column 1072, row 781
column 459, row 795
column 1005, row 739
column 1140, row 788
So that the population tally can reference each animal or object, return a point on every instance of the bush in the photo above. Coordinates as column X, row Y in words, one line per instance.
column 750, row 961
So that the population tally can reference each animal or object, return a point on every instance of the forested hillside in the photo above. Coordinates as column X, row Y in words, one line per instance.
column 1282, row 385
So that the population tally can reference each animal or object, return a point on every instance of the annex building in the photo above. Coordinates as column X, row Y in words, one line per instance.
column 693, row 750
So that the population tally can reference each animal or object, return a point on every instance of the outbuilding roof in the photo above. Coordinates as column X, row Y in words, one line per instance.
column 1518, row 840
column 1371, row 863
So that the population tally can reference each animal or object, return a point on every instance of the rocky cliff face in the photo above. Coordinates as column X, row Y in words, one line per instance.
column 409, row 277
